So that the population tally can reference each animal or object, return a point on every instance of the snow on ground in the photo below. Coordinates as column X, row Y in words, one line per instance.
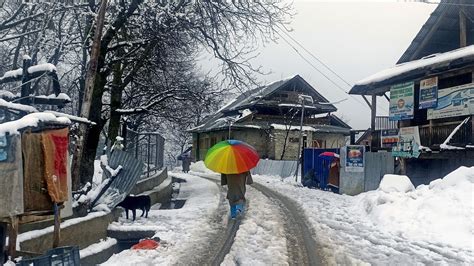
column 428, row 225
column 181, row 230
column 97, row 247
column 260, row 239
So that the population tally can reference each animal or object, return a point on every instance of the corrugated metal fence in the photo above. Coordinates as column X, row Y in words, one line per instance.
column 276, row 168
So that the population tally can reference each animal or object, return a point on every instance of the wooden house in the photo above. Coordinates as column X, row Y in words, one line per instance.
column 268, row 118
column 431, row 96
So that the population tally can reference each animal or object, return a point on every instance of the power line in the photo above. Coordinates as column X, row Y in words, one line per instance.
column 325, row 65
column 317, row 69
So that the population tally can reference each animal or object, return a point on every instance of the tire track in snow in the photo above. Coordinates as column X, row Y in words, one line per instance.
column 302, row 249
column 224, row 237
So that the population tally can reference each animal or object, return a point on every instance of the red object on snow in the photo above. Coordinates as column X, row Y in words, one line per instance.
column 146, row 244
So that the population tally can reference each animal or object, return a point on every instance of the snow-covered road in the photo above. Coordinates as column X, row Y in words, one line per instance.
column 351, row 238
column 289, row 224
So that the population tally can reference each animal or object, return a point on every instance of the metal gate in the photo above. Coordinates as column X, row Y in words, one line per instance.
column 315, row 168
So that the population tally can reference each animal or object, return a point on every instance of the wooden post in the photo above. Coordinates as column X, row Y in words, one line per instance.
column 373, row 114
column 25, row 84
column 12, row 235
column 148, row 150
column 3, row 237
column 462, row 25
column 57, row 225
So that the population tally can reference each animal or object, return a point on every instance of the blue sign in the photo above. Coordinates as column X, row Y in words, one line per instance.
column 355, row 158
column 428, row 93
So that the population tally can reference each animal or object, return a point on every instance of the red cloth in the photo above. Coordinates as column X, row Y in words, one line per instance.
column 146, row 244
column 55, row 147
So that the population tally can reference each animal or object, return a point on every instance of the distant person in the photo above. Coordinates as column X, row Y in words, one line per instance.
column 236, row 191
column 186, row 163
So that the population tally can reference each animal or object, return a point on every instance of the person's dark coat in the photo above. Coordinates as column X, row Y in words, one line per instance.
column 236, row 186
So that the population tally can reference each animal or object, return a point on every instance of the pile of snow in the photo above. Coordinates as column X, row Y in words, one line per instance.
column 200, row 167
column 440, row 213
column 396, row 183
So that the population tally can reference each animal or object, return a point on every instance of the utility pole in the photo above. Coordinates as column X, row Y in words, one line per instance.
column 302, row 98
column 89, row 88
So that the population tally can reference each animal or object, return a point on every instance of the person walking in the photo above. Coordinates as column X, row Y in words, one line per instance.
column 236, row 188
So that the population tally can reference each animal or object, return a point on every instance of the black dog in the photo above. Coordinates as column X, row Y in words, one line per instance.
column 136, row 202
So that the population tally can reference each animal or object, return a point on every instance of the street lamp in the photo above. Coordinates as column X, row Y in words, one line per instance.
column 302, row 98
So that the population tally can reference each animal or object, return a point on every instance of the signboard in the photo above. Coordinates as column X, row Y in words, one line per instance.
column 389, row 138
column 355, row 158
column 409, row 143
column 428, row 93
column 401, row 101
column 455, row 101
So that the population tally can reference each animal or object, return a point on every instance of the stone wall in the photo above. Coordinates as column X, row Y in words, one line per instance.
column 253, row 136
column 329, row 140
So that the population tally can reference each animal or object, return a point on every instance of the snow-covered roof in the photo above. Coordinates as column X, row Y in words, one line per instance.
column 440, row 33
column 381, row 81
column 248, row 100
column 31, row 120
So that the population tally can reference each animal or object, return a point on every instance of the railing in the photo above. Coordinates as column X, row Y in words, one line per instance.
column 383, row 122
column 148, row 147
column 437, row 134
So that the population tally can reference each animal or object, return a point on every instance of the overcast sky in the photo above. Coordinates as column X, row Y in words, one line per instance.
column 355, row 38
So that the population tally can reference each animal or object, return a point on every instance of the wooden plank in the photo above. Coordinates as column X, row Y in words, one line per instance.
column 57, row 226
column 3, row 237
column 12, row 236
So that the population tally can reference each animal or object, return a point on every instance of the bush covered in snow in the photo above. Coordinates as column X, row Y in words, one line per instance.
column 441, row 212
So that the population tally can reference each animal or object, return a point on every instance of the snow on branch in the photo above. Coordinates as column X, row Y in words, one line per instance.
column 47, row 67
column 154, row 101
column 17, row 106
column 12, row 74
column 72, row 117
column 445, row 145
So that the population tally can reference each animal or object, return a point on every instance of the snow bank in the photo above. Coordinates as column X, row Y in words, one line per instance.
column 440, row 213
column 396, row 183
column 200, row 167
column 97, row 247
column 429, row 225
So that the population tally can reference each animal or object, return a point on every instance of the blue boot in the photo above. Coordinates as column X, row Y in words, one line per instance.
column 233, row 211
column 240, row 208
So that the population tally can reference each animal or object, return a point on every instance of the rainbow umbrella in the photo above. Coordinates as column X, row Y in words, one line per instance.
column 231, row 157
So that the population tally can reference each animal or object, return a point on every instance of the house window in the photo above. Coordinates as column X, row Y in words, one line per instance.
column 319, row 143
column 213, row 141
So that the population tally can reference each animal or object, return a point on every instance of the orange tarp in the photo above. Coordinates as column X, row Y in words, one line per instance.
column 35, row 190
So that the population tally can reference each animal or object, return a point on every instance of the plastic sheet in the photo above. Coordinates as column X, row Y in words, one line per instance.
column 11, row 178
